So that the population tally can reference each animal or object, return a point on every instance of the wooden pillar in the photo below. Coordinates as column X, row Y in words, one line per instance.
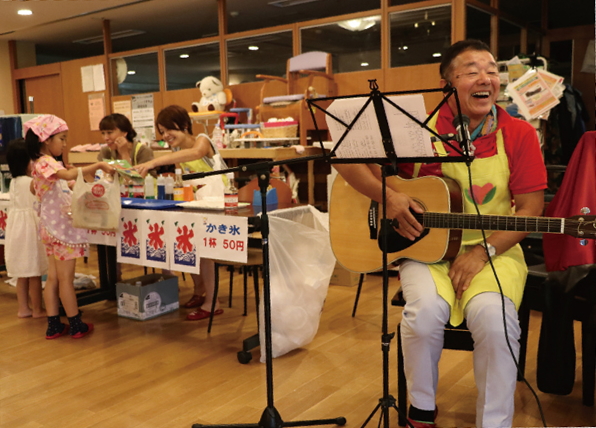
column 107, row 50
column 16, row 90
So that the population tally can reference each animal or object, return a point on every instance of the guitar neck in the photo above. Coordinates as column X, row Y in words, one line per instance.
column 491, row 222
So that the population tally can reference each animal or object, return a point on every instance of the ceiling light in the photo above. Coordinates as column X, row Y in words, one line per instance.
column 415, row 25
column 24, row 12
column 405, row 48
column 131, row 72
column 184, row 56
column 360, row 24
column 364, row 64
column 437, row 55
column 253, row 48
column 113, row 36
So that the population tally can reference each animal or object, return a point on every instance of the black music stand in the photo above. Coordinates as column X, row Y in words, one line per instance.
column 389, row 167
column 270, row 417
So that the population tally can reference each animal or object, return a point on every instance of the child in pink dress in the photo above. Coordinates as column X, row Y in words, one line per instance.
column 46, row 139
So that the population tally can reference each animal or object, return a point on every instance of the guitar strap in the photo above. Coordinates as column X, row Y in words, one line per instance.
column 372, row 219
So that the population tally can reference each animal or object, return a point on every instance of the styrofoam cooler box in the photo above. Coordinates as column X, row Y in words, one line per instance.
column 147, row 296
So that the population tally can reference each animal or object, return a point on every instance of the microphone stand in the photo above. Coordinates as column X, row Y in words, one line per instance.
column 388, row 167
column 270, row 418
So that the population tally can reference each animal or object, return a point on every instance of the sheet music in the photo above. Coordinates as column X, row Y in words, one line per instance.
column 364, row 139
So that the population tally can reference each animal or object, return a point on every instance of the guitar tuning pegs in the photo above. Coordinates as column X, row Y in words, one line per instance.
column 585, row 210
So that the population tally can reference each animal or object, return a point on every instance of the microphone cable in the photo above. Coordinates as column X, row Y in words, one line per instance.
column 515, row 360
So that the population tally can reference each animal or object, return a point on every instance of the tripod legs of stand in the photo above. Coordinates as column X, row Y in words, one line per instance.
column 270, row 417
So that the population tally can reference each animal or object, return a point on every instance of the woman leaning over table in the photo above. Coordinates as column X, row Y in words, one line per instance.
column 193, row 155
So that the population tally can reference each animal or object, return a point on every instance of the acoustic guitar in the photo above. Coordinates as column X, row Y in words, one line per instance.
column 357, row 239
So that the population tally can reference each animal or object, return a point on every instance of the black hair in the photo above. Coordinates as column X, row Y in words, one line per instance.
column 17, row 157
column 118, row 121
column 457, row 48
column 174, row 117
column 33, row 145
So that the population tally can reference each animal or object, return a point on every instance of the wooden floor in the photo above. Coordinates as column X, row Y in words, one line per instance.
column 168, row 372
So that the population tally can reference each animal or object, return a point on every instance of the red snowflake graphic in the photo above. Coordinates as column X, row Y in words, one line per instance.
column 183, row 239
column 129, row 233
column 155, row 236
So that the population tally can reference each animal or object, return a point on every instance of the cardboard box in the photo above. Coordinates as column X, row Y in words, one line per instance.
column 147, row 296
column 342, row 276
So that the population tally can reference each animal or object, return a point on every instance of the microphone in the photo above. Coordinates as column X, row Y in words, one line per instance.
column 463, row 133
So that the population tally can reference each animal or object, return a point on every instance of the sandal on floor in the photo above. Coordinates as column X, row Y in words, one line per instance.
column 201, row 314
column 195, row 301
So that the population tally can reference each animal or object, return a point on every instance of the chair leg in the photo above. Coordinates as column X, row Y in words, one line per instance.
column 245, row 283
column 257, row 297
column 402, row 389
column 360, row 281
column 231, row 269
column 588, row 359
column 524, row 322
column 215, row 292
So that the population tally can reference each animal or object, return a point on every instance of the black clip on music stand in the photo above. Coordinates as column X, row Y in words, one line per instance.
column 389, row 167
column 270, row 417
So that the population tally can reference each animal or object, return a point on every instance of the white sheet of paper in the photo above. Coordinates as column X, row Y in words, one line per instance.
column 87, row 81
column 364, row 139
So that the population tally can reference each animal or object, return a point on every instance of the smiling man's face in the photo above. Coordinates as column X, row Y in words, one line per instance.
column 475, row 75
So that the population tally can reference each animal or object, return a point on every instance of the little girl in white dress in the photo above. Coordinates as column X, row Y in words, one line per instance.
column 24, row 252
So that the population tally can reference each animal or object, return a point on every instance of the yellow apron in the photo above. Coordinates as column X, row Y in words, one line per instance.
column 491, row 190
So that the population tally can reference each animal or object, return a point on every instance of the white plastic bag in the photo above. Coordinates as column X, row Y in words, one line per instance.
column 96, row 205
column 302, row 263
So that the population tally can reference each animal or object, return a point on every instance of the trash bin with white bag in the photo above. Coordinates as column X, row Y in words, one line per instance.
column 301, row 265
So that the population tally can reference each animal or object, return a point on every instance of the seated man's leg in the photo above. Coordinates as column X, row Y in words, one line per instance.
column 422, row 329
column 494, row 369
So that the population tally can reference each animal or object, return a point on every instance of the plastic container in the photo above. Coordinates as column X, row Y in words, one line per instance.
column 161, row 187
column 230, row 193
column 178, row 186
column 169, row 188
column 217, row 137
column 149, row 187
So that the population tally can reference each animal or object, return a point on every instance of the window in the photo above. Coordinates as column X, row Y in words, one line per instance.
column 509, row 40
column 136, row 74
column 242, row 17
column 477, row 24
column 188, row 65
column 267, row 54
column 420, row 36
column 354, row 44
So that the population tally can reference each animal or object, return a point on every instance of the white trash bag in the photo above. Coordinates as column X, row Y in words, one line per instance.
column 302, row 263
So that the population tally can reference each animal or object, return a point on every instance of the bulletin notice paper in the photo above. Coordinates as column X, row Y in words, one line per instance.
column 97, row 110
column 142, row 111
column 364, row 139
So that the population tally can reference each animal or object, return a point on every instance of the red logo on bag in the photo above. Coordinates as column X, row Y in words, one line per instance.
column 98, row 190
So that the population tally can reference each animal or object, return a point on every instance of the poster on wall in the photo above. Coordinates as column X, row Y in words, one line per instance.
column 123, row 107
column 97, row 110
column 143, row 116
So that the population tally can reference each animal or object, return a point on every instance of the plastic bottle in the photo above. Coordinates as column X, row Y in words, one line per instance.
column 178, row 186
column 218, row 136
column 161, row 187
column 169, row 188
column 231, row 194
column 149, row 187
column 138, row 190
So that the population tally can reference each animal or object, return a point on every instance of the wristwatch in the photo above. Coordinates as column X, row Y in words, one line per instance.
column 491, row 250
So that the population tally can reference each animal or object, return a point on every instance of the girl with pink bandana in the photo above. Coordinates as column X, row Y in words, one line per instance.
column 46, row 139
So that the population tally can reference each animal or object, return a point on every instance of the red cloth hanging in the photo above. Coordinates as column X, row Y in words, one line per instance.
column 578, row 190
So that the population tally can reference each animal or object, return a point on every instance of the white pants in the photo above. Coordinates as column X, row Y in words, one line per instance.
column 422, row 329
